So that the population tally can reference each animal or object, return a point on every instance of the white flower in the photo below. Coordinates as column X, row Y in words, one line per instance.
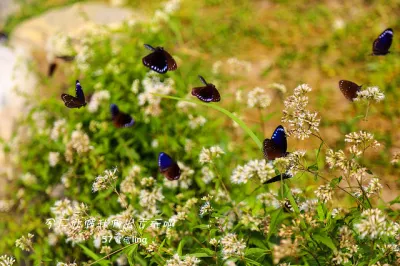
column 258, row 98
column 59, row 129
column 370, row 93
column 104, row 181
column 208, row 155
column 374, row 224
column 232, row 246
column 96, row 99
column 25, row 243
column 54, row 157
column 6, row 260
column 324, row 193
column 205, row 209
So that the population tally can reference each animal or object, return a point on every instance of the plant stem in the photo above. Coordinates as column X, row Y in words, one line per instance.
column 366, row 112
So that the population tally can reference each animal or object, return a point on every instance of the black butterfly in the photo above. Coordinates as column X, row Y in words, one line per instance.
column 66, row 58
column 74, row 102
column 168, row 167
column 277, row 145
column 382, row 44
column 278, row 178
column 159, row 60
column 208, row 93
column 120, row 119
column 349, row 89
column 52, row 69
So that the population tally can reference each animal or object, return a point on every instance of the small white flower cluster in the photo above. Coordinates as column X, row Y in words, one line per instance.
column 186, row 261
column 6, row 205
column 208, row 155
column 207, row 174
column 206, row 209
column 196, row 121
column 79, row 142
column 234, row 65
column 59, row 44
column 96, row 99
column 149, row 198
column 302, row 122
column 128, row 184
column 25, row 243
column 66, row 264
column 54, row 158
column 29, row 179
column 324, row 193
column 370, row 94
column 59, row 129
column 258, row 98
column 279, row 87
column 269, row 199
column 395, row 158
column 285, row 248
column 40, row 119
column 104, row 181
column 348, row 246
column 375, row 224
column 361, row 141
column 232, row 246
column 152, row 84
column 253, row 169
column 6, row 260
column 163, row 14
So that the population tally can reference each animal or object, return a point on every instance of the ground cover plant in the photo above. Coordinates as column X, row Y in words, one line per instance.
column 84, row 192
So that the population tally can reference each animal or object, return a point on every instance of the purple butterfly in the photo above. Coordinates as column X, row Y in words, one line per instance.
column 168, row 167
column 276, row 146
column 382, row 44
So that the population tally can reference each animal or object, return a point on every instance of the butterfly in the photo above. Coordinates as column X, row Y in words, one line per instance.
column 208, row 93
column 52, row 69
column 159, row 60
column 349, row 89
column 277, row 145
column 120, row 119
column 168, row 167
column 382, row 44
column 74, row 102
column 278, row 178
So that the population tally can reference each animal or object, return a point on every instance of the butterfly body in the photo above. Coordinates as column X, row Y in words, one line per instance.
column 349, row 89
column 382, row 44
column 120, row 119
column 207, row 93
column 276, row 146
column 159, row 60
column 74, row 102
column 168, row 167
column 278, row 178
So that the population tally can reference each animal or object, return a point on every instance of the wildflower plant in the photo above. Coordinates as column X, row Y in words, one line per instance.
column 76, row 208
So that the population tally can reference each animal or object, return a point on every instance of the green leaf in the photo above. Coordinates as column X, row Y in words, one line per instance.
column 180, row 247
column 252, row 262
column 201, row 255
column 313, row 167
column 336, row 181
column 94, row 256
column 327, row 241
column 275, row 219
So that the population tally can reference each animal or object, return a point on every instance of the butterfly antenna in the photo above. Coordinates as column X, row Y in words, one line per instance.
column 203, row 80
column 148, row 46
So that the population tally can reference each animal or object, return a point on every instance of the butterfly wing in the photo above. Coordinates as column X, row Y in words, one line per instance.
column 168, row 167
column 156, row 61
column 278, row 178
column 79, row 92
column 279, row 137
column 120, row 119
column 170, row 61
column 207, row 93
column 349, row 89
column 71, row 101
column 276, row 146
column 52, row 69
column 382, row 44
